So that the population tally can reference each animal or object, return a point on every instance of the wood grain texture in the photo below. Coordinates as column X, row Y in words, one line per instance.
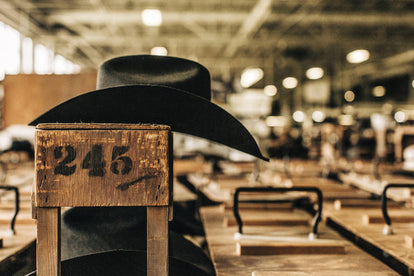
column 374, row 218
column 157, row 241
column 301, row 248
column 48, row 242
column 268, row 221
column 102, row 165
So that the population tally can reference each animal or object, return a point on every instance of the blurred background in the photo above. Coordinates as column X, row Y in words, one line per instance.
column 296, row 73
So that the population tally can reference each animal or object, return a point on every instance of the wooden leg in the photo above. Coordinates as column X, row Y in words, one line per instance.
column 157, row 241
column 48, row 242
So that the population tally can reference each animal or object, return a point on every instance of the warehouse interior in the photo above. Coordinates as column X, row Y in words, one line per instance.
column 310, row 123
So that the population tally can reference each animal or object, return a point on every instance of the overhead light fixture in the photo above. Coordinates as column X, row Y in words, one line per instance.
column 159, row 51
column 290, row 82
column 358, row 56
column 270, row 90
column 298, row 116
column 378, row 122
column 400, row 116
column 378, row 91
column 314, row 73
column 349, row 96
column 250, row 76
column 318, row 116
column 151, row 17
column 412, row 83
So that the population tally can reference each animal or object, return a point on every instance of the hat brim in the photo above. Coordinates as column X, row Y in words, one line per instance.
column 182, row 111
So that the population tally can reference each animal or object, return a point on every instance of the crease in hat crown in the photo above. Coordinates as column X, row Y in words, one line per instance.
column 172, row 72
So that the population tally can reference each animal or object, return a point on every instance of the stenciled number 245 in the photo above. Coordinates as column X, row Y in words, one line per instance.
column 93, row 160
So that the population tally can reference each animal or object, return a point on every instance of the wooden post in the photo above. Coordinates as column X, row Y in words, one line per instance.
column 157, row 241
column 94, row 165
column 48, row 242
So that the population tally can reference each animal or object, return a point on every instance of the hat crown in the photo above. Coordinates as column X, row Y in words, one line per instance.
column 172, row 72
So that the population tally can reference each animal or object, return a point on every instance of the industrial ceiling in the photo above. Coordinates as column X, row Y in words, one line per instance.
column 283, row 37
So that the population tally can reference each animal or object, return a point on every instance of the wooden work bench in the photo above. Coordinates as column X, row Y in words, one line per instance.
column 16, row 247
column 227, row 261
column 365, row 226
column 220, row 229
column 368, row 183
column 331, row 189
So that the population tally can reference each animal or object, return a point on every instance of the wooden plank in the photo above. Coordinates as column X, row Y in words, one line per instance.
column 228, row 222
column 10, row 206
column 222, row 248
column 261, row 206
column 157, row 241
column 48, row 242
column 320, row 273
column 102, row 165
column 409, row 241
column 289, row 248
column 186, row 166
column 23, row 217
column 374, row 218
column 398, row 254
column 361, row 203
column 26, row 220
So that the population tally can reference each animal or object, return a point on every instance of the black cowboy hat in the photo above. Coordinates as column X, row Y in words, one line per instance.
column 156, row 90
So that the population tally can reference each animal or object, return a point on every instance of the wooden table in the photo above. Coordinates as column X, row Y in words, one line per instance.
column 16, row 247
column 392, row 249
column 222, row 248
column 368, row 183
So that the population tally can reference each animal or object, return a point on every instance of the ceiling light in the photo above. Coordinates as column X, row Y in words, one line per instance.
column 159, row 51
column 378, row 91
column 250, row 76
column 151, row 17
column 314, row 73
column 298, row 116
column 270, row 90
column 358, row 56
column 378, row 121
column 412, row 83
column 318, row 116
column 349, row 96
column 275, row 121
column 400, row 116
column 290, row 82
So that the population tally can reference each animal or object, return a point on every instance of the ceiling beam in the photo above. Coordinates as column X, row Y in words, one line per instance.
column 234, row 17
column 250, row 26
column 214, row 40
